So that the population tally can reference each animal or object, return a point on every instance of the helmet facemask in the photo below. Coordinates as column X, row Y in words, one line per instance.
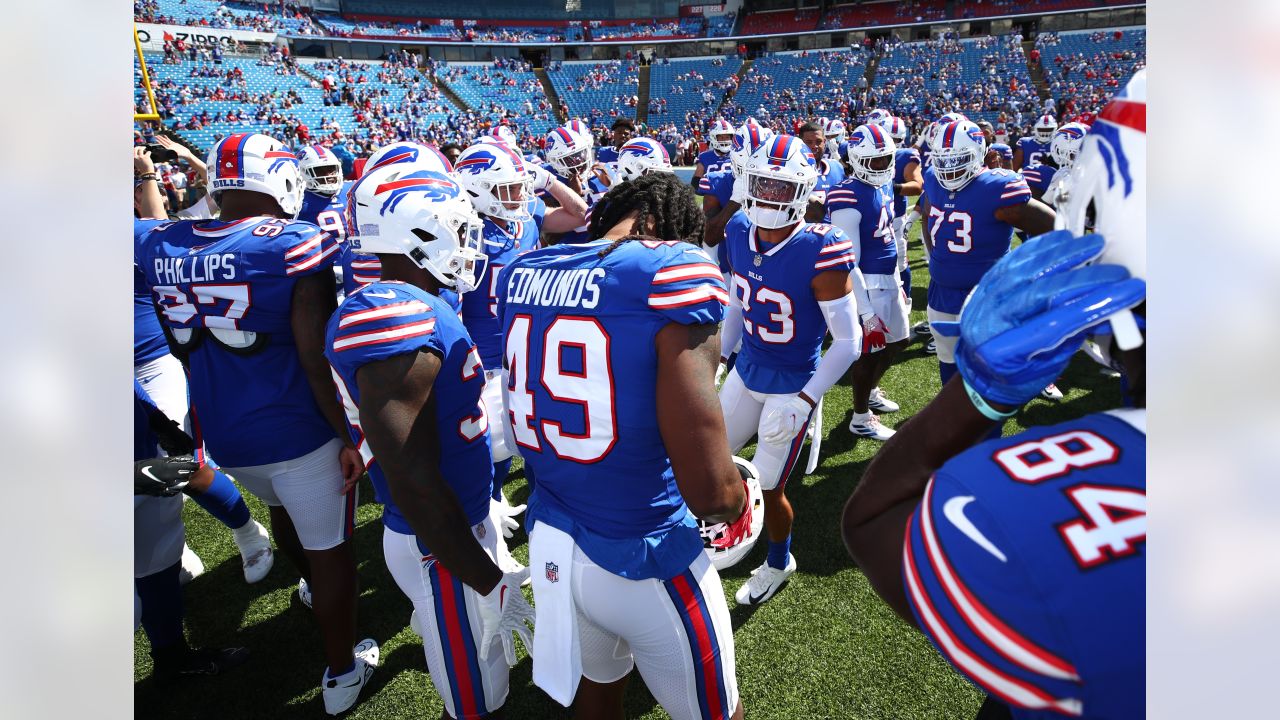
column 955, row 167
column 324, row 179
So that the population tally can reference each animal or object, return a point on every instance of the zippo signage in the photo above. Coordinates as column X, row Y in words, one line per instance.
column 153, row 37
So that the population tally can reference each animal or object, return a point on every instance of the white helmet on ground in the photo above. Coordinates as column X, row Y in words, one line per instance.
column 495, row 177
column 720, row 137
column 401, row 209
column 1044, row 128
column 723, row 552
column 1066, row 143
column 781, row 176
column 641, row 156
column 425, row 156
column 321, row 170
column 256, row 163
column 959, row 152
column 871, row 154
column 568, row 152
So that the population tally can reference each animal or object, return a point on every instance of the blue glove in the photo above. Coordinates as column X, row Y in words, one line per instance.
column 1031, row 312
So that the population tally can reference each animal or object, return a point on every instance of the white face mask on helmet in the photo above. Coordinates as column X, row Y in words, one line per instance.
column 871, row 154
column 781, row 175
column 641, row 156
column 720, row 138
column 959, row 150
column 568, row 152
column 726, row 556
column 1066, row 143
column 423, row 214
column 1044, row 128
column 497, row 181
column 256, row 163
column 746, row 140
column 321, row 170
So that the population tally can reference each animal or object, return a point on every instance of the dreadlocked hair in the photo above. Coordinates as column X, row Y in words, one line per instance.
column 659, row 197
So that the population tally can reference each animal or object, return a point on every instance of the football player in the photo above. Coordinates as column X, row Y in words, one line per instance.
column 972, row 212
column 907, row 182
column 836, row 134
column 244, row 300
column 570, row 157
column 502, row 187
column 642, row 156
column 623, row 130
column 1000, row 156
column 792, row 285
column 1064, row 148
column 862, row 207
column 716, row 156
column 610, row 354
column 410, row 379
column 1023, row 559
column 722, row 191
column 1031, row 150
column 324, row 204
column 830, row 170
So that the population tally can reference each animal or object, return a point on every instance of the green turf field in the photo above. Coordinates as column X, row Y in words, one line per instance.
column 824, row 647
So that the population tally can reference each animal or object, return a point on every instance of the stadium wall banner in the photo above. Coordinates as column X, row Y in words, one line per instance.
column 152, row 36
column 707, row 10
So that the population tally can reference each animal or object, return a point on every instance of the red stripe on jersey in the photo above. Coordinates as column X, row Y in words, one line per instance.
column 849, row 258
column 690, row 271
column 408, row 307
column 311, row 262
column 385, row 335
column 836, row 247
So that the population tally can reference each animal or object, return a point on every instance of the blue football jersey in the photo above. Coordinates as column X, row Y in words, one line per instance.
column 594, row 191
column 148, row 337
column 719, row 185
column 925, row 150
column 902, row 160
column 713, row 161
column 968, row 238
column 328, row 212
column 1038, row 177
column 225, row 290
column 783, row 326
column 580, row 333
column 503, row 242
column 830, row 174
column 385, row 319
column 879, row 254
column 607, row 155
column 1025, row 565
column 1032, row 151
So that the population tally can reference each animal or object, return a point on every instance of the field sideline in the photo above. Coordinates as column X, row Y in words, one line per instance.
column 824, row 647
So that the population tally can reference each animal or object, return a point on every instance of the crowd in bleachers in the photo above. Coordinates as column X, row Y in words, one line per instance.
column 780, row 21
column 597, row 89
column 503, row 87
column 230, row 15
column 681, row 87
column 779, row 89
column 682, row 28
column 884, row 13
column 1085, row 68
column 991, row 8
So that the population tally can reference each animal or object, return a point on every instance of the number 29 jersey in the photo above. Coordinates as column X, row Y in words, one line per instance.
column 581, row 369
column 1025, row 566
column 225, row 291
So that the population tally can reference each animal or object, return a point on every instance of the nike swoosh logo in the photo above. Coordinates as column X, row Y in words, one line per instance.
column 953, row 509
column 755, row 598
column 384, row 294
column 147, row 471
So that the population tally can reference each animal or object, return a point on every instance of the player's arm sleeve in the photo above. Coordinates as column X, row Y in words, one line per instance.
column 731, row 331
column 306, row 249
column 368, row 331
column 846, row 341
column 688, row 288
column 846, row 217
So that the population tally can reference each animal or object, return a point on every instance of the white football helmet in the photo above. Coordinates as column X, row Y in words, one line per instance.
column 256, row 163
column 781, row 175
column 871, row 153
column 568, row 152
column 400, row 209
column 937, row 126
column 1066, row 143
column 505, row 135
column 746, row 140
column 495, row 177
column 897, row 129
column 641, row 156
column 321, row 170
column 877, row 116
column 959, row 149
column 1109, row 180
column 1044, row 129
column 836, row 135
column 425, row 156
column 720, row 138
column 723, row 558
column 579, row 126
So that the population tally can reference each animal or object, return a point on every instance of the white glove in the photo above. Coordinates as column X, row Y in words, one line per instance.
column 721, row 370
column 504, row 516
column 504, row 611
column 739, row 194
column 542, row 178
column 785, row 420
column 907, row 224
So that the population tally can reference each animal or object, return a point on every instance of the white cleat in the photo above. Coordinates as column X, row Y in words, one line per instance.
column 341, row 693
column 932, row 347
column 869, row 426
column 304, row 592
column 256, row 556
column 1051, row 393
column 192, row 565
column 764, row 583
column 880, row 403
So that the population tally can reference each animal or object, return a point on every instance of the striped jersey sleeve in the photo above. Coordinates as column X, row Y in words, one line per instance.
column 836, row 252
column 687, row 287
column 961, row 586
column 841, row 197
column 704, row 186
column 307, row 249
column 1015, row 192
column 379, row 322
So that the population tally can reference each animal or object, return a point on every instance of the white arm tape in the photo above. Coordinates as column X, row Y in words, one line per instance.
column 846, row 346
column 849, row 220
column 731, row 331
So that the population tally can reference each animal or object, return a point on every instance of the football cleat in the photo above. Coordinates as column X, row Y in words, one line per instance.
column 932, row 347
column 869, row 427
column 192, row 566
column 1051, row 392
column 764, row 583
column 880, row 403
column 173, row 664
column 304, row 592
column 922, row 328
column 256, row 556
column 342, row 692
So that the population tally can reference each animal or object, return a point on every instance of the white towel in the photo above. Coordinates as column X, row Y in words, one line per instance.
column 557, row 658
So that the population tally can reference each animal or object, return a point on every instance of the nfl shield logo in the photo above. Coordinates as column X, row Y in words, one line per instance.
column 758, row 259
column 553, row 572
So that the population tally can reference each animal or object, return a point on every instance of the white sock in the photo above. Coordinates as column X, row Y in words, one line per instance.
column 861, row 418
column 246, row 532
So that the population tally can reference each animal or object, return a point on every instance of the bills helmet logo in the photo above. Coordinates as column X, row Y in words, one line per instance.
column 1119, row 113
column 434, row 185
column 279, row 159
column 553, row 572
column 644, row 149
column 398, row 155
column 476, row 162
